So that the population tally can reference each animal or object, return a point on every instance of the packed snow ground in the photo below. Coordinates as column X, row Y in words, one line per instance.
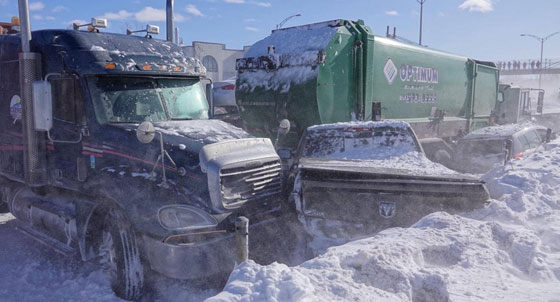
column 509, row 251
column 31, row 272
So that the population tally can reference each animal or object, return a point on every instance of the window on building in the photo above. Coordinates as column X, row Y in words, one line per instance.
column 210, row 63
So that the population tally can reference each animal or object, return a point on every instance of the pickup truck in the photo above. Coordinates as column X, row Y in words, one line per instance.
column 359, row 178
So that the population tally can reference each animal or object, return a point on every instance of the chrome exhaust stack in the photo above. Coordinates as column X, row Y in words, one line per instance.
column 169, row 20
column 34, row 145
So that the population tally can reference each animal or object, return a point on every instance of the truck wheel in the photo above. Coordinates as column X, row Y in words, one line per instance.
column 120, row 256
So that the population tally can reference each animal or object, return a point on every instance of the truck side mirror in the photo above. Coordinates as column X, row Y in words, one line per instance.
column 42, row 106
column 540, row 102
column 145, row 132
column 210, row 98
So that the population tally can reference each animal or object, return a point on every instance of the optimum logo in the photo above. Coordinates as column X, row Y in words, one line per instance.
column 390, row 71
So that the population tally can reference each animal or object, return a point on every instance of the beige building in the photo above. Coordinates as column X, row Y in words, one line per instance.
column 218, row 60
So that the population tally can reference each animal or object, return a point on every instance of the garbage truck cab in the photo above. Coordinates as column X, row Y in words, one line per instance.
column 125, row 163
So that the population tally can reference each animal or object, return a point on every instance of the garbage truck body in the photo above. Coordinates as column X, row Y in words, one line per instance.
column 335, row 71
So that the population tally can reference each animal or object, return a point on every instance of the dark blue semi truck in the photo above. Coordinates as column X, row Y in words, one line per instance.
column 127, row 166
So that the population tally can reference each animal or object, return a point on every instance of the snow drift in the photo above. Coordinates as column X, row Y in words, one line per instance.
column 509, row 251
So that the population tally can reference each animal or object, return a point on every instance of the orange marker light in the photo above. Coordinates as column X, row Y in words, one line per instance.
column 177, row 68
column 110, row 66
column 147, row 67
column 161, row 67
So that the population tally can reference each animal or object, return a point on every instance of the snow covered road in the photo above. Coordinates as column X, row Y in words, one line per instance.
column 31, row 272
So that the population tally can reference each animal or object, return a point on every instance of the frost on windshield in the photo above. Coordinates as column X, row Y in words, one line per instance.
column 358, row 143
column 136, row 99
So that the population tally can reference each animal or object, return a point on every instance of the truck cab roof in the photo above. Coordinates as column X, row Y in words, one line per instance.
column 90, row 52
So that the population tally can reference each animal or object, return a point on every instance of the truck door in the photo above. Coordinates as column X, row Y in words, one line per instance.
column 66, row 165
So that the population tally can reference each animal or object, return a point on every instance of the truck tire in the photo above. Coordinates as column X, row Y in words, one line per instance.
column 120, row 256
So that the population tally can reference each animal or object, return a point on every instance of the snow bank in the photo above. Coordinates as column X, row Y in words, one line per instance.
column 509, row 251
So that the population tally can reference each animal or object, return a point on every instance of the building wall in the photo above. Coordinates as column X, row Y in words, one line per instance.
column 225, row 58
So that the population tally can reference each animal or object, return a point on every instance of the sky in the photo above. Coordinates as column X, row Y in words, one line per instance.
column 480, row 29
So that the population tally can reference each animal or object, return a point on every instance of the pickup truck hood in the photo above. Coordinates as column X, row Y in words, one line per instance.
column 394, row 168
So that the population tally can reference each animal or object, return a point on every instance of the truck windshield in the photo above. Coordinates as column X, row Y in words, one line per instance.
column 358, row 143
column 138, row 99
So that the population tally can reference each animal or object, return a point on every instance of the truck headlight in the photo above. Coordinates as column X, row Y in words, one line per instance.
column 175, row 217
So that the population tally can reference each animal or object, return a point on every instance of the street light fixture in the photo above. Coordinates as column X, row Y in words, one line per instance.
column 278, row 26
column 542, row 40
column 421, row 13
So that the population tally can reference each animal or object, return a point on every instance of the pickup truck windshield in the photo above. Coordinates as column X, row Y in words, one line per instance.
column 138, row 99
column 358, row 143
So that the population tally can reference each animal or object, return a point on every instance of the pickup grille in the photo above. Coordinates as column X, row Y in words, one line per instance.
column 244, row 184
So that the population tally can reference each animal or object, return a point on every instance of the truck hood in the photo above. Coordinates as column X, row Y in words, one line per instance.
column 194, row 134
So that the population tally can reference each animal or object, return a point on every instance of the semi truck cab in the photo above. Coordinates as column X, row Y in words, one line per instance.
column 127, row 166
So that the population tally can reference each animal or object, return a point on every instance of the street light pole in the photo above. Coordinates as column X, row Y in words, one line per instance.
column 278, row 26
column 421, row 13
column 541, row 40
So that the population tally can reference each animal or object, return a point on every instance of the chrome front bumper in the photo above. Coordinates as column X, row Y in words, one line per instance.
column 188, row 261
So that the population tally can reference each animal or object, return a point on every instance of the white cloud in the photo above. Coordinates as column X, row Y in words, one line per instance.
column 179, row 18
column 150, row 14
column 392, row 13
column 191, row 9
column 120, row 15
column 34, row 6
column 59, row 9
column 483, row 6
column 235, row 1
column 50, row 18
column 250, row 28
column 263, row 4
column 37, row 17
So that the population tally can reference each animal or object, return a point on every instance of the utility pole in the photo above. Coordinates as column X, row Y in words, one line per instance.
column 541, row 40
column 421, row 13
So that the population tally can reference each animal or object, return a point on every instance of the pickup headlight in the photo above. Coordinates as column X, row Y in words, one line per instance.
column 176, row 217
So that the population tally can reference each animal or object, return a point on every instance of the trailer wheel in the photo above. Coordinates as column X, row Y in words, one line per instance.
column 120, row 256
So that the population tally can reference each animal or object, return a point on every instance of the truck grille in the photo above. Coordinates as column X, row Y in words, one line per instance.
column 250, row 183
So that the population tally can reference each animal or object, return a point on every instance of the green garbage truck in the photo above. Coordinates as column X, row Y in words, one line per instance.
column 339, row 71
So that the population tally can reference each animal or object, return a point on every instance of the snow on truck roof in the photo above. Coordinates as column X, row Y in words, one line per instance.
column 501, row 131
column 368, row 124
column 312, row 37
